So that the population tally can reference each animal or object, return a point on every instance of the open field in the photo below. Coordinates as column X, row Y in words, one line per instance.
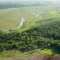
column 10, row 18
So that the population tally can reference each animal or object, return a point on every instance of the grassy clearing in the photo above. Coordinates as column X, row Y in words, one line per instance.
column 45, row 51
column 14, row 55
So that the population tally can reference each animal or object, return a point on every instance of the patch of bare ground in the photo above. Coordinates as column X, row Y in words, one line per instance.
column 51, row 57
column 40, row 56
column 47, row 57
column 37, row 56
column 55, row 58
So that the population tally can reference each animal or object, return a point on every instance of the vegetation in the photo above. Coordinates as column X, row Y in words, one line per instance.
column 39, row 33
column 42, row 36
column 14, row 55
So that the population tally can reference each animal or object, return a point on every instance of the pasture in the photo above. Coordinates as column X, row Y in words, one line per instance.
column 10, row 18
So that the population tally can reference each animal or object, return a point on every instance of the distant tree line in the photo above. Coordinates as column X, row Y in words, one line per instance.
column 19, row 5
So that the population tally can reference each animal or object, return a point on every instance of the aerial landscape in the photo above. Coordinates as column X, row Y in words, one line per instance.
column 30, row 30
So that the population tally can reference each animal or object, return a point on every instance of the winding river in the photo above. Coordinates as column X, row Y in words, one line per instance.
column 20, row 24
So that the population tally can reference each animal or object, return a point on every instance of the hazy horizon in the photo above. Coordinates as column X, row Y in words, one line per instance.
column 27, row 0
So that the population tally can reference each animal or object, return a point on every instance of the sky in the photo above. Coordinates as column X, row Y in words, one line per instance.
column 27, row 0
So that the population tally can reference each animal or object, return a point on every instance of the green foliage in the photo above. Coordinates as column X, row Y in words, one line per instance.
column 42, row 36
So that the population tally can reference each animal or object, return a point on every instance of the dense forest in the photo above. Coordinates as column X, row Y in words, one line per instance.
column 44, row 35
